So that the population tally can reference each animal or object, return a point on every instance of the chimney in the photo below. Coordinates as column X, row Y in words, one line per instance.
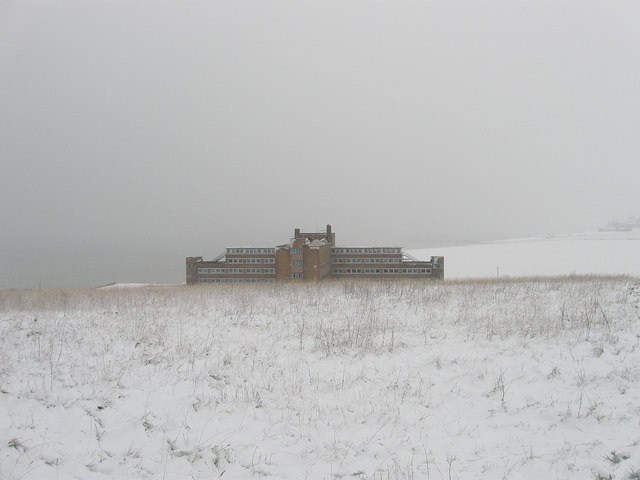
column 296, row 233
column 329, row 235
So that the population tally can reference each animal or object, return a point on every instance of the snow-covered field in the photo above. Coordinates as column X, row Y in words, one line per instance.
column 439, row 380
column 604, row 253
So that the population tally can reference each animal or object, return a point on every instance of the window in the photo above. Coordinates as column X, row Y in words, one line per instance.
column 269, row 270
column 413, row 271
column 209, row 271
column 251, row 251
column 269, row 260
column 296, row 263
column 296, row 275
column 296, row 251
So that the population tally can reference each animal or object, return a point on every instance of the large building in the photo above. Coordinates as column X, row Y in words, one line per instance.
column 310, row 256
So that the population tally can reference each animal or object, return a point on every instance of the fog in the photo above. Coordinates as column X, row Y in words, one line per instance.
column 133, row 134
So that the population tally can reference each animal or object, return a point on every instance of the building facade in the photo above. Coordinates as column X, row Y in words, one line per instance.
column 310, row 256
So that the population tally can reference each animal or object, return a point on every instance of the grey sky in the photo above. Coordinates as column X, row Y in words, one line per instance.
column 133, row 134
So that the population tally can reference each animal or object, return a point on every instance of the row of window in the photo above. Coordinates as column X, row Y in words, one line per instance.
column 366, row 250
column 236, row 280
column 298, row 263
column 206, row 271
column 384, row 271
column 255, row 251
column 211, row 270
column 296, row 251
column 259, row 260
column 366, row 270
column 416, row 270
column 366, row 260
column 251, row 260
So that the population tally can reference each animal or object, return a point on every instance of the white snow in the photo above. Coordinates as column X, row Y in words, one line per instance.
column 435, row 380
column 123, row 285
column 606, row 253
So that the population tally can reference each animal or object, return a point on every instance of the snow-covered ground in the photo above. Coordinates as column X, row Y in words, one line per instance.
column 605, row 253
column 438, row 380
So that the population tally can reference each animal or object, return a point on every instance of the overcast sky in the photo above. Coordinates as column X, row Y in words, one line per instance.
column 135, row 133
